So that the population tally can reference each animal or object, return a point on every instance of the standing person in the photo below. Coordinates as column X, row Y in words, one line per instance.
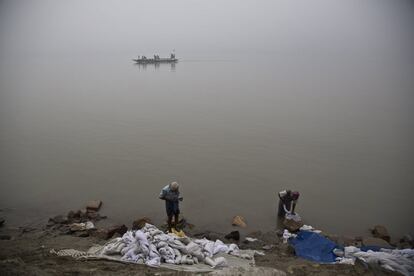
column 287, row 202
column 171, row 195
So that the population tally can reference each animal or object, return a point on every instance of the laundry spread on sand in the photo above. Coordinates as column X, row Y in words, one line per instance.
column 152, row 247
column 309, row 244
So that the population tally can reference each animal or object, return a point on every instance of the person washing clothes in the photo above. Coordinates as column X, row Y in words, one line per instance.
column 171, row 195
column 287, row 202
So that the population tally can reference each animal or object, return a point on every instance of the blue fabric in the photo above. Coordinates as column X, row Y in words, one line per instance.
column 314, row 247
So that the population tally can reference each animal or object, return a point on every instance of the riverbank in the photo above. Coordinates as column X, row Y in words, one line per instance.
column 26, row 251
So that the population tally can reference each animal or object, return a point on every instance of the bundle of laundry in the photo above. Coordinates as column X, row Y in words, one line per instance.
column 398, row 260
column 152, row 247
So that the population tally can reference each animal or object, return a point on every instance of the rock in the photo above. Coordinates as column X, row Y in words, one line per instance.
column 101, row 234
column 346, row 241
column 94, row 205
column 139, row 223
column 71, row 215
column 74, row 227
column 234, row 235
column 93, row 215
column 81, row 234
column 119, row 228
column 65, row 229
column 83, row 213
column 59, row 219
column 279, row 233
column 183, row 224
column 375, row 242
column 208, row 235
column 116, row 235
column 379, row 231
column 292, row 225
column 5, row 237
column 2, row 221
column 268, row 246
column 406, row 242
column 407, row 238
column 239, row 221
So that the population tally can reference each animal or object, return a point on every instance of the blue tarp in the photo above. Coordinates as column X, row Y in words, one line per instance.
column 314, row 247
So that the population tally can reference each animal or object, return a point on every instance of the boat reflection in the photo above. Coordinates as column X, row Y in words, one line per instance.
column 156, row 66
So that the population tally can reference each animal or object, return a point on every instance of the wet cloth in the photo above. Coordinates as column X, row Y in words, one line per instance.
column 314, row 247
column 397, row 260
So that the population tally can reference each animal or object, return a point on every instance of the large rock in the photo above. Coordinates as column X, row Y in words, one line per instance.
column 139, row 223
column 118, row 228
column 59, row 219
column 379, row 231
column 234, row 235
column 94, row 205
column 93, row 215
column 369, row 241
column 239, row 221
column 292, row 225
column 109, row 232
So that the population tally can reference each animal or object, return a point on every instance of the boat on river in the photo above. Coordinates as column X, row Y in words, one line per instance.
column 156, row 59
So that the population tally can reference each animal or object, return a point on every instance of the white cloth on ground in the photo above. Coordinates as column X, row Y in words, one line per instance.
column 309, row 228
column 152, row 247
column 399, row 260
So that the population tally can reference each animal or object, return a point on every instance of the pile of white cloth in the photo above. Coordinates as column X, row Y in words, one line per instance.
column 398, row 260
column 152, row 247
column 310, row 228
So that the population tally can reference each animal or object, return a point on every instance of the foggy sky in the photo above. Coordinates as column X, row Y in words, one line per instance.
column 366, row 28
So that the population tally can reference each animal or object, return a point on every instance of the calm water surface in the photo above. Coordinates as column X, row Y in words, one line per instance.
column 233, row 130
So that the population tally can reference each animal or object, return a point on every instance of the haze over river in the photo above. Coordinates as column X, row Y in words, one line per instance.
column 233, row 127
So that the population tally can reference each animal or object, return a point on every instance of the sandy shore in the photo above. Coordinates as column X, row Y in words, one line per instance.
column 26, row 251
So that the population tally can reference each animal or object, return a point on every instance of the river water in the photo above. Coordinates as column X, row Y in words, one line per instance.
column 233, row 130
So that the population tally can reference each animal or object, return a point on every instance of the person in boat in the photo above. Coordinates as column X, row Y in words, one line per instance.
column 171, row 195
column 287, row 202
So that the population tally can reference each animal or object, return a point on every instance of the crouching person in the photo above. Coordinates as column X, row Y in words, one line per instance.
column 171, row 195
column 287, row 203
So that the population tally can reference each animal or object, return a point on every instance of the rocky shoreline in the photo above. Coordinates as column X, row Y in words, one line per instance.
column 26, row 251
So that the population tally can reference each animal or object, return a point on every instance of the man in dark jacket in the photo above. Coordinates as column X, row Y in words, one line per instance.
column 171, row 195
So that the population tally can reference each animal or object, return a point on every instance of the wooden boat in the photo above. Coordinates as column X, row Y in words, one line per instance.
column 155, row 59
